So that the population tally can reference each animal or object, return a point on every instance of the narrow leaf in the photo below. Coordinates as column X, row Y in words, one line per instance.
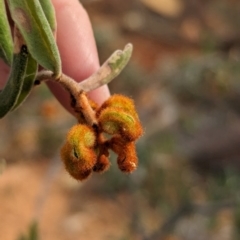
column 6, row 44
column 119, row 59
column 28, row 82
column 33, row 25
column 49, row 11
column 9, row 95
column 109, row 70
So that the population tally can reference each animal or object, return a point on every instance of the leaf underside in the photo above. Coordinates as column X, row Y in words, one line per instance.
column 35, row 28
column 49, row 11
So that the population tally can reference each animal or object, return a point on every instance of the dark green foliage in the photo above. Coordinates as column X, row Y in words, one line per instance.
column 9, row 95
column 36, row 22
column 32, row 234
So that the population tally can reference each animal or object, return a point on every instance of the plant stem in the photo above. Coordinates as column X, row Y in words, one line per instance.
column 83, row 107
column 106, row 73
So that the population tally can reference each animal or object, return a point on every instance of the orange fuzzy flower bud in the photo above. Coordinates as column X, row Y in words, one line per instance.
column 119, row 101
column 127, row 157
column 83, row 135
column 79, row 170
column 117, row 121
column 127, row 160
column 77, row 153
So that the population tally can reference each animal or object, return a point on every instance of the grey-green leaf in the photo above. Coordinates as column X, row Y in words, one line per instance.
column 29, row 77
column 9, row 95
column 33, row 25
column 109, row 70
column 6, row 43
column 49, row 11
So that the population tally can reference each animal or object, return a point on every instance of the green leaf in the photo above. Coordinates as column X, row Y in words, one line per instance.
column 28, row 82
column 33, row 234
column 9, row 95
column 6, row 43
column 49, row 11
column 33, row 25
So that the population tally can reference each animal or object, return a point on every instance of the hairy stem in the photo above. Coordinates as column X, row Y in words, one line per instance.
column 83, row 107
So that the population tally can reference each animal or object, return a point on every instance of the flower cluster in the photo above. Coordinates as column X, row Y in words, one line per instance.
column 87, row 147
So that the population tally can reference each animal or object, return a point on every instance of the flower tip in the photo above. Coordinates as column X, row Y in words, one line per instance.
column 127, row 166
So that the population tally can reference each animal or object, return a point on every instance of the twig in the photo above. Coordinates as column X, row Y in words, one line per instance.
column 107, row 72
column 82, row 106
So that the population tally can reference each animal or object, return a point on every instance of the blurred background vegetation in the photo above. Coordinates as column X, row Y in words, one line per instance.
column 184, row 76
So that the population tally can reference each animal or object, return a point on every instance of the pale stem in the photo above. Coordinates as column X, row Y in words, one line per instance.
column 106, row 73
